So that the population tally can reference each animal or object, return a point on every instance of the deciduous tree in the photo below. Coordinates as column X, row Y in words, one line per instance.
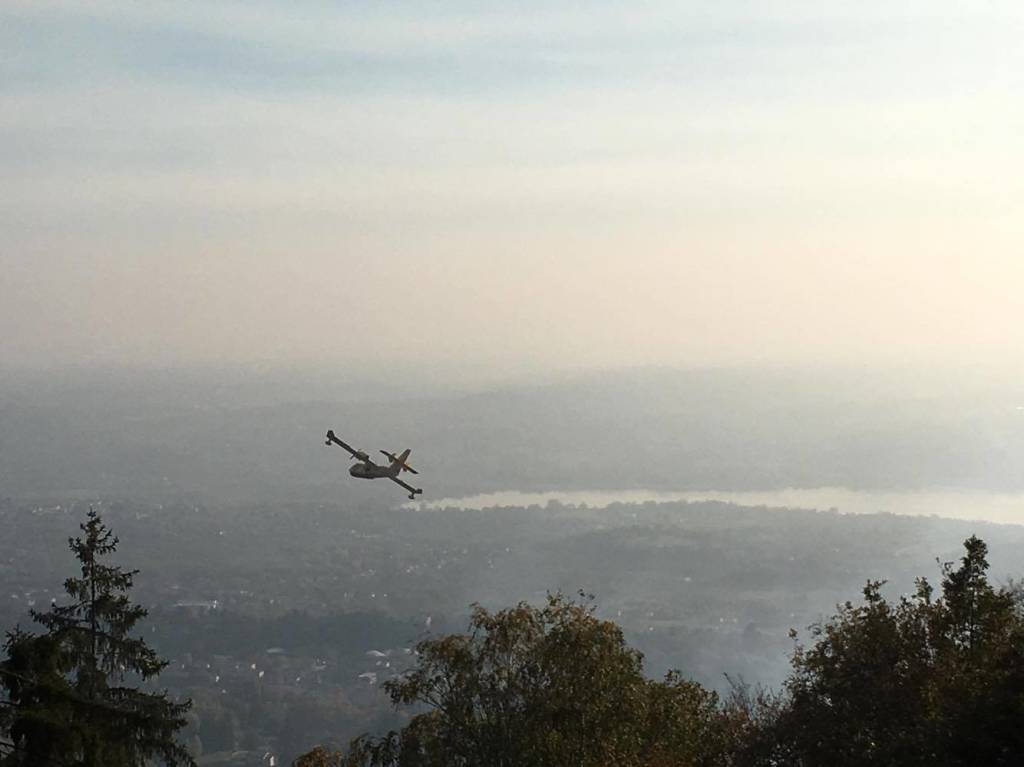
column 549, row 686
column 925, row 680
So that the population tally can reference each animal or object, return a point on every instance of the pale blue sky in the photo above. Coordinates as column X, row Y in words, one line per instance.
column 511, row 186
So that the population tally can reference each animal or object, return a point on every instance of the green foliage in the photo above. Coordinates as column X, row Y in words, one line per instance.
column 922, row 681
column 38, row 701
column 546, row 686
column 66, row 697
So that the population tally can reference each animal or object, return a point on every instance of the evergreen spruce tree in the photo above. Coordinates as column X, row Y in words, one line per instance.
column 69, row 700
column 35, row 713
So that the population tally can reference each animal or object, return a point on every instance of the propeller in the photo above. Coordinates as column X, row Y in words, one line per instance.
column 393, row 458
column 331, row 437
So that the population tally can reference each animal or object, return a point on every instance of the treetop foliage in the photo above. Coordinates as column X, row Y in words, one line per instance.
column 547, row 686
column 67, row 700
column 928, row 679
column 922, row 680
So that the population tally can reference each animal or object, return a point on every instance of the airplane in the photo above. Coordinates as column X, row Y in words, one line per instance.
column 367, row 469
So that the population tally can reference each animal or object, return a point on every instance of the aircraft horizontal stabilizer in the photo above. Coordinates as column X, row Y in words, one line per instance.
column 400, row 459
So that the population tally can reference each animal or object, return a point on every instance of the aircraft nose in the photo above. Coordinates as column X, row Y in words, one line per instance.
column 354, row 470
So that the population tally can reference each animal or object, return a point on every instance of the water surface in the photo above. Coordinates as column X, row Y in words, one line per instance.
column 958, row 504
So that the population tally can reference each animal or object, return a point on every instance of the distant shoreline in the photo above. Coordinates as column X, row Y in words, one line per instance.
column 1002, row 508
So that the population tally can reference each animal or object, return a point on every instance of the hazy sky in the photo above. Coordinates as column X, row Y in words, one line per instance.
column 511, row 185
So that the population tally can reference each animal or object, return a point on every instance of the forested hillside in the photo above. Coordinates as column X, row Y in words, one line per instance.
column 283, row 621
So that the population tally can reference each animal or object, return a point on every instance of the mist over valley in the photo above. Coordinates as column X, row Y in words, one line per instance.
column 681, row 341
column 170, row 434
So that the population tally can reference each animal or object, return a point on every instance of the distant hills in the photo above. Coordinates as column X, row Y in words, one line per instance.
column 176, row 435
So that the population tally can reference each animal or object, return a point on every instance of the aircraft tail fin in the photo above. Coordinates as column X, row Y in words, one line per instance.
column 399, row 460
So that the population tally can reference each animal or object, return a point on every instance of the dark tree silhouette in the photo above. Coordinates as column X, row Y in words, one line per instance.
column 68, row 697
column 925, row 680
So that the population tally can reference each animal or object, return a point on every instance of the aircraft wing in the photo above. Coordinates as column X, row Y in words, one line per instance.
column 352, row 451
column 413, row 491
